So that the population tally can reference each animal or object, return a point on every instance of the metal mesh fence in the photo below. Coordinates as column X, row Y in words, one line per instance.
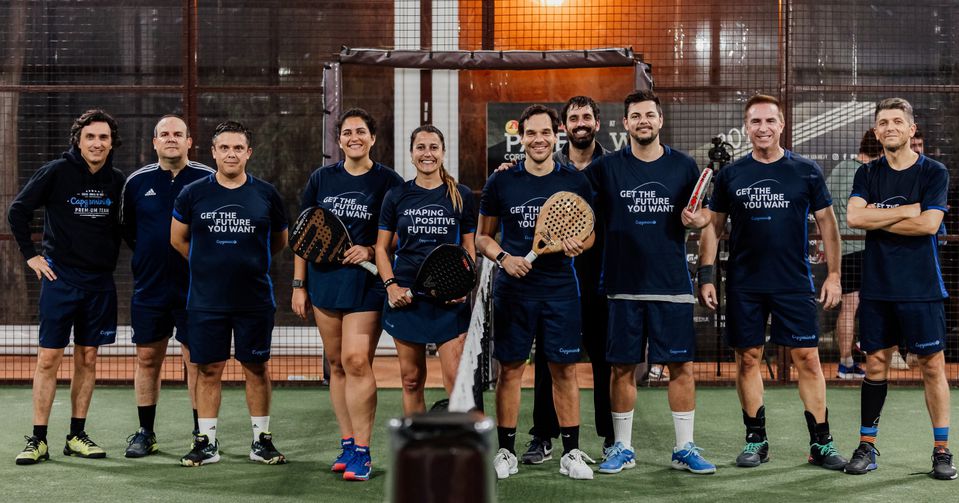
column 262, row 63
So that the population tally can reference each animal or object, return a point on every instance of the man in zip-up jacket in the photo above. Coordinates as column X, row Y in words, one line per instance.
column 80, row 194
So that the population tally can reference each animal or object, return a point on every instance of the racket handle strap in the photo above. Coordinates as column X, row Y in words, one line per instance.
column 531, row 256
column 369, row 266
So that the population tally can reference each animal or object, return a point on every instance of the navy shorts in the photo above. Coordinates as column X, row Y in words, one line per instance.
column 250, row 331
column 517, row 322
column 666, row 327
column 795, row 319
column 92, row 314
column 344, row 289
column 151, row 324
column 425, row 321
column 920, row 327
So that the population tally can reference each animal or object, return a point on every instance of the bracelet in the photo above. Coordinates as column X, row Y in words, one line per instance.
column 391, row 281
column 706, row 274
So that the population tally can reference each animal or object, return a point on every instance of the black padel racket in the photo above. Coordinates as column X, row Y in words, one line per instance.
column 448, row 273
column 319, row 236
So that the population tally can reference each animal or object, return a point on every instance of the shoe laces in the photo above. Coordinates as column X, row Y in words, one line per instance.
column 693, row 451
column 33, row 443
column 941, row 456
column 864, row 450
column 140, row 437
column 537, row 443
column 578, row 455
column 827, row 449
column 84, row 439
column 614, row 450
column 754, row 447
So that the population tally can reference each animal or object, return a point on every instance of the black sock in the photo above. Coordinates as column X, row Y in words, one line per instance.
column 76, row 425
column 196, row 421
column 570, row 436
column 507, row 438
column 40, row 431
column 608, row 442
column 873, row 397
column 755, row 426
column 147, row 415
column 818, row 432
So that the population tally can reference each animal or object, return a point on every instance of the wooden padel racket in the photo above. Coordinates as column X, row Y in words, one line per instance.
column 448, row 273
column 699, row 191
column 319, row 236
column 564, row 215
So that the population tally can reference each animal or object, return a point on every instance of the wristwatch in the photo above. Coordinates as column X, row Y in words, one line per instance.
column 298, row 283
column 500, row 258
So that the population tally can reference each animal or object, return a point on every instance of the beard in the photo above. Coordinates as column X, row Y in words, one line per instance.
column 582, row 142
column 644, row 141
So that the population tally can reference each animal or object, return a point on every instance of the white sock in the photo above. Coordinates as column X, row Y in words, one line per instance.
column 623, row 428
column 208, row 428
column 683, row 424
column 848, row 362
column 261, row 424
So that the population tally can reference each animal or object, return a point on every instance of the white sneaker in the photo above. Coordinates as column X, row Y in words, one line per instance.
column 505, row 464
column 573, row 464
column 897, row 362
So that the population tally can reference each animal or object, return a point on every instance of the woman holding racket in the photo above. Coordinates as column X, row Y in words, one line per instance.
column 347, row 299
column 423, row 213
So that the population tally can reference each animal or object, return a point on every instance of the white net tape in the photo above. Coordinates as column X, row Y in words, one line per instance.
column 461, row 400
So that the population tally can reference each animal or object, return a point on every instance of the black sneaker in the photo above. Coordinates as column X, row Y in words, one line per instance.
column 863, row 459
column 825, row 454
column 142, row 444
column 539, row 450
column 202, row 452
column 262, row 451
column 942, row 467
column 754, row 454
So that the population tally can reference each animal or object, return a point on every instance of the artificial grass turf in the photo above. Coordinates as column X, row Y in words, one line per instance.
column 305, row 430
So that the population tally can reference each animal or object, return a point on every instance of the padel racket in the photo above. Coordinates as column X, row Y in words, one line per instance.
column 319, row 236
column 448, row 273
column 699, row 191
column 564, row 215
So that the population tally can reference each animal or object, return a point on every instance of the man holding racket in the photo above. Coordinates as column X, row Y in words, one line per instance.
column 642, row 191
column 160, row 275
column 534, row 299
column 580, row 118
column 228, row 225
column 768, row 194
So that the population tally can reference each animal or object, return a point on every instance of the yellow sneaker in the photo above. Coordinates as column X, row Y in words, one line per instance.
column 81, row 446
column 34, row 452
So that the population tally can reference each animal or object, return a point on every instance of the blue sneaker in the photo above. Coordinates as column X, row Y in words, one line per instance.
column 688, row 458
column 617, row 458
column 854, row 372
column 339, row 464
column 360, row 465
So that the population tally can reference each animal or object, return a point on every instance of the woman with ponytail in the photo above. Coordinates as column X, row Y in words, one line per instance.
column 423, row 213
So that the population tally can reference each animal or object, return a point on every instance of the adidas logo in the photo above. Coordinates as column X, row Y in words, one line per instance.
column 150, row 193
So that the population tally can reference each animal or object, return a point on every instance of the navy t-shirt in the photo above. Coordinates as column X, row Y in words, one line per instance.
column 230, row 232
column 356, row 200
column 769, row 206
column 515, row 196
column 897, row 267
column 422, row 220
column 160, row 274
column 642, row 203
